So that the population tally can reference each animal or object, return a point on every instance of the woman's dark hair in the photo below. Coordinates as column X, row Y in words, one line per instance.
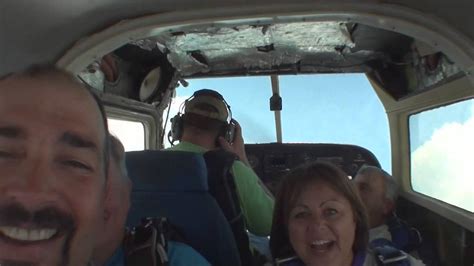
column 293, row 185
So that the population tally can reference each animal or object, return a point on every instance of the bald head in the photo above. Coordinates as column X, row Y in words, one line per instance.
column 378, row 190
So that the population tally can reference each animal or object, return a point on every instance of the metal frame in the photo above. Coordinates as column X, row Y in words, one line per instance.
column 121, row 108
column 418, row 25
column 398, row 114
column 390, row 17
column 276, row 90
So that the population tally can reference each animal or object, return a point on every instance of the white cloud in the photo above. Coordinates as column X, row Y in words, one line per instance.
column 443, row 166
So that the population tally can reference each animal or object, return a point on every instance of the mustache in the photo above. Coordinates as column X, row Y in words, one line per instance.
column 14, row 214
column 15, row 263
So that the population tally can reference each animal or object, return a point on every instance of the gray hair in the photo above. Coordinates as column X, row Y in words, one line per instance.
column 391, row 184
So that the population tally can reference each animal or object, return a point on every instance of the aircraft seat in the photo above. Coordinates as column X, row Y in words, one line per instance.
column 173, row 184
column 222, row 187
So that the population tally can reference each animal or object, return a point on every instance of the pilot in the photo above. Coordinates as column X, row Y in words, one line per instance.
column 109, row 249
column 53, row 164
column 206, row 124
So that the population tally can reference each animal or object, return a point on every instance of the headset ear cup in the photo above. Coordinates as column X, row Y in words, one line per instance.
column 176, row 127
column 229, row 134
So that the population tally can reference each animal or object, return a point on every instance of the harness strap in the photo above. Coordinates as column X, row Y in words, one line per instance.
column 387, row 254
column 146, row 244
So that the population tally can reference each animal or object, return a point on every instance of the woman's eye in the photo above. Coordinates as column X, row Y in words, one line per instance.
column 331, row 212
column 77, row 164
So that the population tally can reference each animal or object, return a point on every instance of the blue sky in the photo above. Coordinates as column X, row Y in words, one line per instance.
column 324, row 108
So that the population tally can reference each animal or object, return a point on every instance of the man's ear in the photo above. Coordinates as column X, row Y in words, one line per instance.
column 389, row 206
column 106, row 214
column 107, row 200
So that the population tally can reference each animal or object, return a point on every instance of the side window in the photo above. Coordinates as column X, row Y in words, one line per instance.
column 130, row 133
column 441, row 153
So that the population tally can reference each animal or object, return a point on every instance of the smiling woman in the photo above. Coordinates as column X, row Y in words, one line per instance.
column 318, row 212
column 319, row 220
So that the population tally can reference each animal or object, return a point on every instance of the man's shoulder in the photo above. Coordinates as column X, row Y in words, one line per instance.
column 241, row 167
column 371, row 260
column 180, row 254
column 380, row 231
column 187, row 146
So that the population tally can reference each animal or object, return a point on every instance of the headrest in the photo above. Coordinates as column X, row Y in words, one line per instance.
column 167, row 171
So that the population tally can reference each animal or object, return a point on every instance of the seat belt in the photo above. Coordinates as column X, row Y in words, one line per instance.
column 147, row 244
column 387, row 254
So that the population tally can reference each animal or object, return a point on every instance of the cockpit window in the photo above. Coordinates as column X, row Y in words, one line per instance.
column 130, row 133
column 322, row 108
column 335, row 108
column 441, row 147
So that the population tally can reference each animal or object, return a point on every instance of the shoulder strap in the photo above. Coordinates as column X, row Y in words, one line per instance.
column 147, row 244
column 223, row 188
column 404, row 236
column 387, row 254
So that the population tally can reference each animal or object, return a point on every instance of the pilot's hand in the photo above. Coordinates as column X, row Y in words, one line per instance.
column 238, row 146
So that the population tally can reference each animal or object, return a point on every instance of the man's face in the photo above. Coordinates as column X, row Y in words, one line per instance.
column 51, row 172
column 117, row 205
column 372, row 192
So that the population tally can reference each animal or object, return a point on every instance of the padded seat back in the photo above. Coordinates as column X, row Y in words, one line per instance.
column 173, row 184
column 222, row 187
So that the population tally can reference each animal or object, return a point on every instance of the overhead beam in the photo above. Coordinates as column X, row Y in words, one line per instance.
column 276, row 90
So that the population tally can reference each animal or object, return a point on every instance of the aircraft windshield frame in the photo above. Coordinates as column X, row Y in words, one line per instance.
column 359, row 117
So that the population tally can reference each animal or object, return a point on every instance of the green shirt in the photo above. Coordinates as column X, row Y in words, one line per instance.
column 256, row 204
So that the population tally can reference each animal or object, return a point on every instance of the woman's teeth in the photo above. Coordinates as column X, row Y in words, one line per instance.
column 321, row 245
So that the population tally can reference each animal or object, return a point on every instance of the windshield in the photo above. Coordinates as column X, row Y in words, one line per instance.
column 322, row 108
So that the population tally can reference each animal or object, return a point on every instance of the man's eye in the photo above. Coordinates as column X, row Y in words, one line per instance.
column 77, row 164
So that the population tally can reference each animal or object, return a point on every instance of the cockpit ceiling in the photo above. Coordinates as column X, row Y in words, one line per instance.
column 305, row 47
column 400, row 64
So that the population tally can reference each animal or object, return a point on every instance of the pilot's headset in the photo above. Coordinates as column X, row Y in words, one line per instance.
column 208, row 97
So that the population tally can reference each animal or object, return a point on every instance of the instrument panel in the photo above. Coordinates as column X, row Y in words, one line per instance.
column 272, row 161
